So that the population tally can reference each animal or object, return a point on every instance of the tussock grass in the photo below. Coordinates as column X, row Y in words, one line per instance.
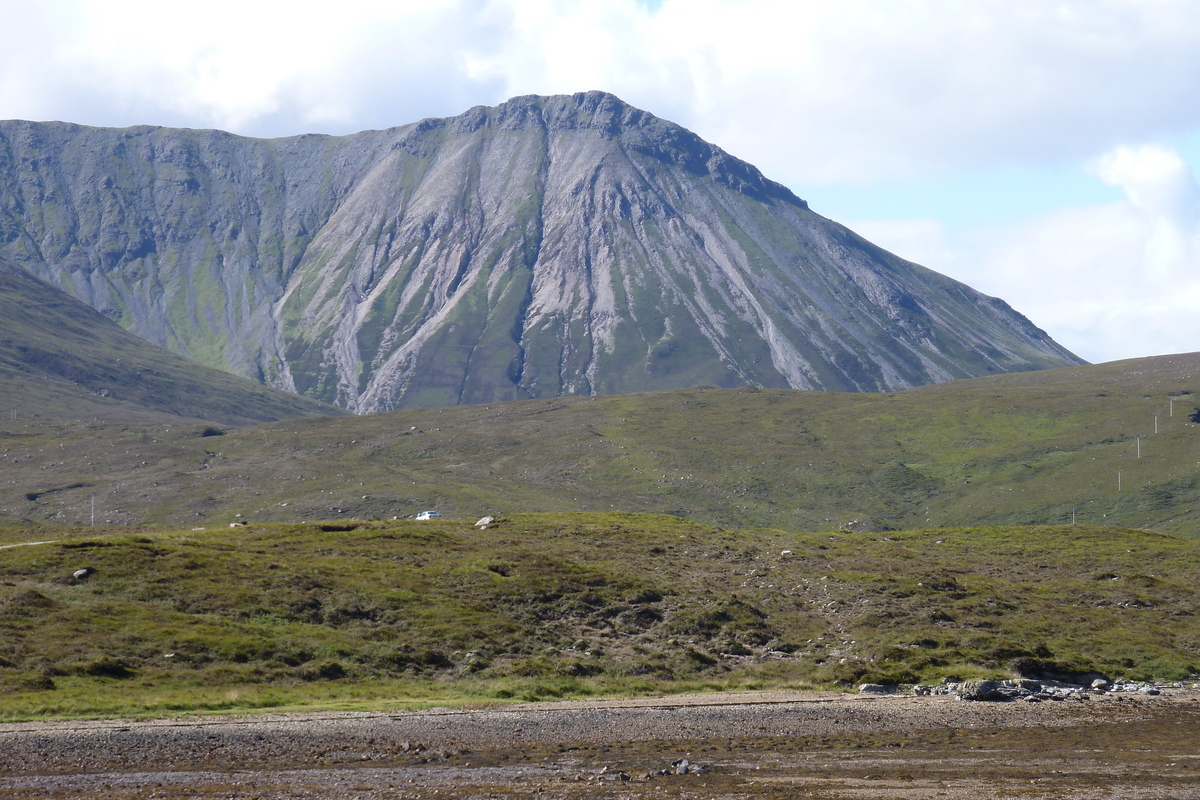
column 360, row 614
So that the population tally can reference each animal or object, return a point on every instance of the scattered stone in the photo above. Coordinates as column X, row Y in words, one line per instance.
column 684, row 767
column 1034, row 690
column 874, row 688
column 81, row 574
column 610, row 774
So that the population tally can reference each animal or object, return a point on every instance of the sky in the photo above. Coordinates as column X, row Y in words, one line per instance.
column 1040, row 151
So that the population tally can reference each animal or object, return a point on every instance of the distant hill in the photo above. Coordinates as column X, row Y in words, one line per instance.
column 61, row 359
column 567, row 245
column 1105, row 444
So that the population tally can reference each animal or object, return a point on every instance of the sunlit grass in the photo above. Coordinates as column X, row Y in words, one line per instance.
column 376, row 615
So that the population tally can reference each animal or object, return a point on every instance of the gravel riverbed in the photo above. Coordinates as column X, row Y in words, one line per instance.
column 734, row 746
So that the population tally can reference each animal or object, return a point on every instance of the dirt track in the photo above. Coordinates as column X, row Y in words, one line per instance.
column 827, row 746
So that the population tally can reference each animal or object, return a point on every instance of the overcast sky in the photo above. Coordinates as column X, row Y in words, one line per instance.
column 1039, row 151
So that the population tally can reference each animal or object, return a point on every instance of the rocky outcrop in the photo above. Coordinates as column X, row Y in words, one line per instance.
column 547, row 246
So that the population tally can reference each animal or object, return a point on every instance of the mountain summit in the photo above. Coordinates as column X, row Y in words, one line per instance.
column 547, row 246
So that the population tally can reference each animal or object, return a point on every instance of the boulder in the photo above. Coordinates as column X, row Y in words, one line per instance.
column 981, row 690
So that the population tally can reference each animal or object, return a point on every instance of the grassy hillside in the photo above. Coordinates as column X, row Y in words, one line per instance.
column 1039, row 448
column 354, row 614
column 61, row 359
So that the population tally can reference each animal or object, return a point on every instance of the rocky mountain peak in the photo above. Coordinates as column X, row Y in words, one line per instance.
column 545, row 246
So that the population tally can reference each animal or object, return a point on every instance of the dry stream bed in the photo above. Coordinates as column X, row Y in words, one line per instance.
column 773, row 745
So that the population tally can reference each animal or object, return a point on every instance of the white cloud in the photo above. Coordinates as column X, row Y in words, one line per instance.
column 816, row 92
column 1160, row 185
column 1155, row 178
column 811, row 91
column 260, row 68
column 1110, row 281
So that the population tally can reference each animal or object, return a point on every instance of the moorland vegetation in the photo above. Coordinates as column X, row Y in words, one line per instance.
column 1030, row 523
column 1108, row 444
column 352, row 615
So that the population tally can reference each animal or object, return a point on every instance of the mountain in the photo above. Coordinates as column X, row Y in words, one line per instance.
column 60, row 358
column 548, row 246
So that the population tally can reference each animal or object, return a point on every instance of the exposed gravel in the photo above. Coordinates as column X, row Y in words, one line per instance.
column 771, row 742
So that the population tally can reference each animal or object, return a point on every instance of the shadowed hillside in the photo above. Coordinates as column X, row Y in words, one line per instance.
column 61, row 359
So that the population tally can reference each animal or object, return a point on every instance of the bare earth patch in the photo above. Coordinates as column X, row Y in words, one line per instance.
column 756, row 745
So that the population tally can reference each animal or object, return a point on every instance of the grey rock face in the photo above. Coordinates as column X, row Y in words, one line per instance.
column 547, row 246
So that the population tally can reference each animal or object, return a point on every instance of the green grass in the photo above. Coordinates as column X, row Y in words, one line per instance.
column 1039, row 448
column 382, row 614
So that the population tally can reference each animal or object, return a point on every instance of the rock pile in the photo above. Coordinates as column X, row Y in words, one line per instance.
column 1029, row 690
column 680, row 767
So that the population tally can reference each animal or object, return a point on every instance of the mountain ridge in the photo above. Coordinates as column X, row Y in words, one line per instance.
column 61, row 359
column 546, row 246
